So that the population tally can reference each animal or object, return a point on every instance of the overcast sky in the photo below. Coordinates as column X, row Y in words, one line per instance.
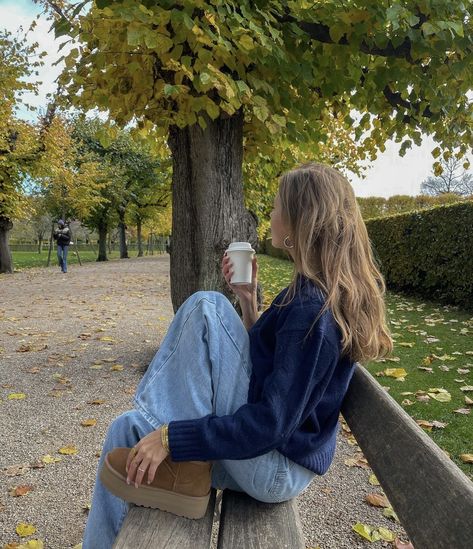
column 388, row 175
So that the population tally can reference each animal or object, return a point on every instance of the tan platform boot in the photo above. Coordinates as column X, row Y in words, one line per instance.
column 181, row 488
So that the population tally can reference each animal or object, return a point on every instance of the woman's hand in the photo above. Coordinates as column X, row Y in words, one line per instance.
column 245, row 292
column 147, row 456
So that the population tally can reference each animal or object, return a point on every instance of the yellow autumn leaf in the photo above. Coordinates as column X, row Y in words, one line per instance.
column 116, row 368
column 23, row 529
column 31, row 544
column 406, row 344
column 363, row 530
column 16, row 396
column 395, row 372
column 386, row 534
column 373, row 480
column 88, row 422
column 107, row 338
column 68, row 450
column 466, row 458
column 50, row 459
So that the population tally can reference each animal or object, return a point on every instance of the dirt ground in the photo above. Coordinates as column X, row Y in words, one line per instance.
column 72, row 350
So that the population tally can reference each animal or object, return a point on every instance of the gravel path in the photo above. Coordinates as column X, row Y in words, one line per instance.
column 76, row 346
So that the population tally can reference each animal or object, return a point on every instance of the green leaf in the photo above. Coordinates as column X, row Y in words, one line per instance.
column 246, row 42
column 212, row 109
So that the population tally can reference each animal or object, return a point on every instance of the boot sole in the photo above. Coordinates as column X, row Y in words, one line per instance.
column 192, row 507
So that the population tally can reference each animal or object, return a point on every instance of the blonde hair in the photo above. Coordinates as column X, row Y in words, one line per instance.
column 332, row 248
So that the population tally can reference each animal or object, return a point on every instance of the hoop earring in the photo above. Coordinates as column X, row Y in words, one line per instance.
column 286, row 245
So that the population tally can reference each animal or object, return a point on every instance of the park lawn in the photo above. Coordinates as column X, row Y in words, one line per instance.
column 412, row 321
column 25, row 260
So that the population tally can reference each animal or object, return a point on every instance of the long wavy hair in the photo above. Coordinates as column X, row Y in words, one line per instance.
column 332, row 248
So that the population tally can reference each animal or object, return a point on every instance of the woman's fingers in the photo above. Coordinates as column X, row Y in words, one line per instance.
column 140, row 472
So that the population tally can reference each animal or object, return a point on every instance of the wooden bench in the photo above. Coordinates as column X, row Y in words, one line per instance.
column 431, row 495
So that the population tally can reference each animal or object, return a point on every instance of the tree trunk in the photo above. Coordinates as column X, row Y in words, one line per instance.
column 6, row 263
column 102, row 243
column 208, row 209
column 138, row 236
column 50, row 244
column 40, row 243
column 122, row 234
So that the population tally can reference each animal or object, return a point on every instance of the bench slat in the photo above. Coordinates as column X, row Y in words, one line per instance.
column 154, row 529
column 249, row 524
column 431, row 495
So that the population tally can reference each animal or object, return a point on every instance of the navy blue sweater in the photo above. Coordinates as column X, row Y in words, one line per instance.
column 295, row 393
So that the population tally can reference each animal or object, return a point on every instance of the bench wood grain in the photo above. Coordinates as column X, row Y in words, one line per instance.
column 154, row 529
column 249, row 524
column 431, row 495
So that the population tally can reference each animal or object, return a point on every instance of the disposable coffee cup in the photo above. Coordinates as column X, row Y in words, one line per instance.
column 241, row 255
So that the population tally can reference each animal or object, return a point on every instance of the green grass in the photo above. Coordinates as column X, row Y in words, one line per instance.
column 25, row 260
column 412, row 321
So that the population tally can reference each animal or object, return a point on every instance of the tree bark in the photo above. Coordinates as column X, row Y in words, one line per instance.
column 122, row 234
column 102, row 243
column 208, row 208
column 40, row 243
column 138, row 236
column 6, row 263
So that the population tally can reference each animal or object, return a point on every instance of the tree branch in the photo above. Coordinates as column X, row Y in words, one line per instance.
column 395, row 100
column 321, row 33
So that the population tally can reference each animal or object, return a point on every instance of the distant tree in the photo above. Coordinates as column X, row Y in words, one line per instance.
column 453, row 179
column 39, row 219
column 18, row 139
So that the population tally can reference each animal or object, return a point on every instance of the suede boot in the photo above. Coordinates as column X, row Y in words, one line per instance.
column 181, row 488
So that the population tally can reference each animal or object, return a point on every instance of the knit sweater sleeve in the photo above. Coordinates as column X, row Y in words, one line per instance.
column 300, row 375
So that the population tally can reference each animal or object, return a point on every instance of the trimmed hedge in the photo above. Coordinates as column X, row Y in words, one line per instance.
column 269, row 249
column 428, row 252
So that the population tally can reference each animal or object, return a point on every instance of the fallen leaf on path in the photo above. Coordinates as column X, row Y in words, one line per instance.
column 88, row 422
column 373, row 480
column 96, row 402
column 390, row 513
column 23, row 529
column 17, row 470
column 21, row 490
column 68, row 450
column 398, row 544
column 377, row 500
column 116, row 368
column 50, row 459
column 16, row 396
column 32, row 544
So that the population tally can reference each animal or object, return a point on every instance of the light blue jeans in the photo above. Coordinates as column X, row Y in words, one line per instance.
column 62, row 257
column 203, row 366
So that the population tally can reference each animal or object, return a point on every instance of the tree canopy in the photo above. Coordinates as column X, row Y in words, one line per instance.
column 406, row 66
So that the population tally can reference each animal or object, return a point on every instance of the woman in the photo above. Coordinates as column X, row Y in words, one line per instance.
column 256, row 400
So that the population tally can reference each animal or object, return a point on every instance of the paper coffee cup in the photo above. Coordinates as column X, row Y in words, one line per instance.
column 241, row 255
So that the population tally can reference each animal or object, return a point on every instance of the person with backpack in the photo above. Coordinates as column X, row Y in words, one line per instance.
column 62, row 235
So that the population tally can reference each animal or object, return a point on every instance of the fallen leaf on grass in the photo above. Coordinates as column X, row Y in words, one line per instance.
column 23, row 529
column 466, row 458
column 427, row 425
column 440, row 395
column 464, row 411
column 88, row 422
column 406, row 344
column 68, row 450
column 377, row 500
column 468, row 401
column 467, row 388
column 16, row 396
column 397, row 373
column 21, row 490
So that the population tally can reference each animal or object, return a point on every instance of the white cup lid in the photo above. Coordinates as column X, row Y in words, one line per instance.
column 240, row 246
